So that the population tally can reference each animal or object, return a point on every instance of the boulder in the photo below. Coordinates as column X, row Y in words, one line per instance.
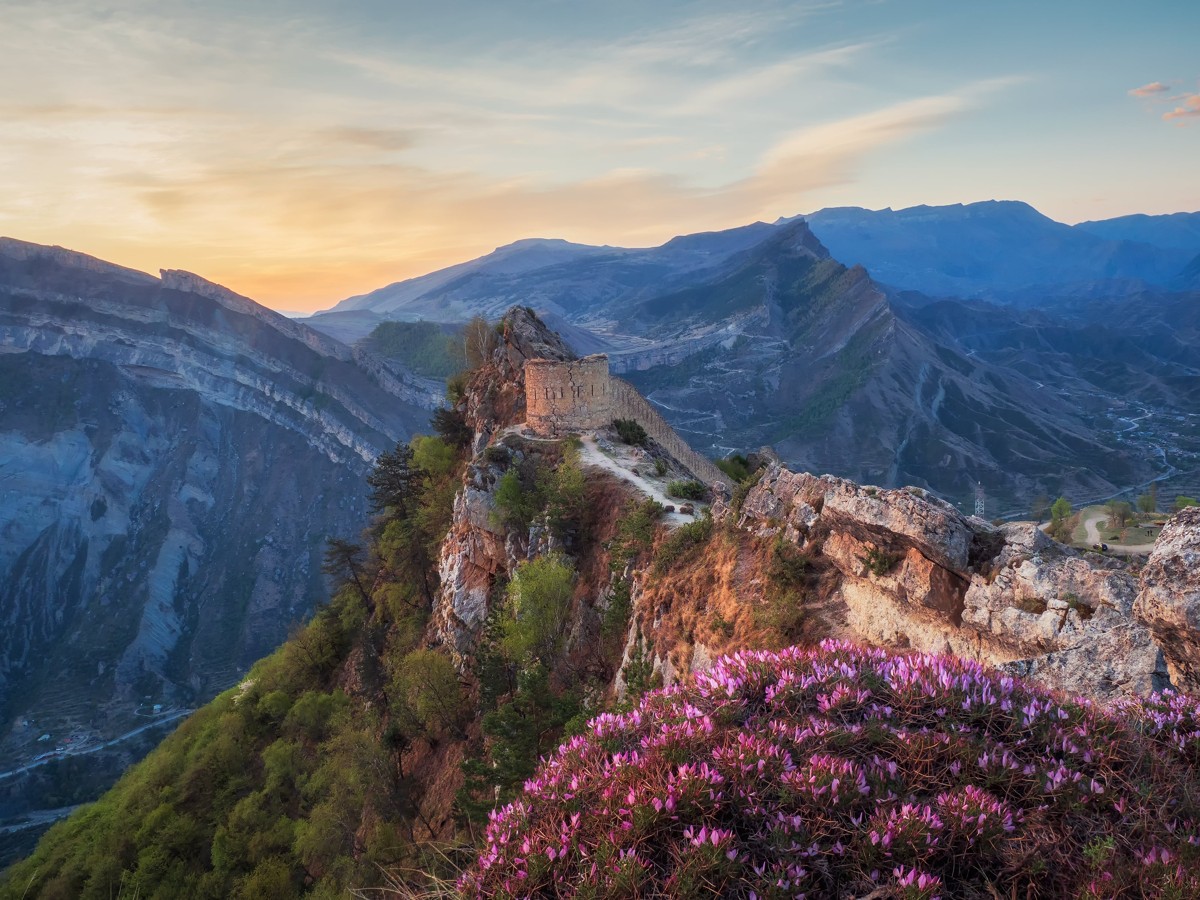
column 1169, row 599
column 896, row 518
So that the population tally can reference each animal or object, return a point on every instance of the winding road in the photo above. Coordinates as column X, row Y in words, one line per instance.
column 170, row 717
column 1091, row 525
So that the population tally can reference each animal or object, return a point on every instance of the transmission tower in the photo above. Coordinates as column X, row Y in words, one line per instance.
column 979, row 499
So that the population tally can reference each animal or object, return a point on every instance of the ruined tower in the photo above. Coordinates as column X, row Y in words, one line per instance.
column 571, row 396
column 567, row 396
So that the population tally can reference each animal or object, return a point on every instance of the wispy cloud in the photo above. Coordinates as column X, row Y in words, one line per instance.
column 1150, row 90
column 300, row 164
column 1188, row 108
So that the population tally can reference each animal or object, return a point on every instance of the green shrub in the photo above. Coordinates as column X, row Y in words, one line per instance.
column 497, row 454
column 515, row 504
column 660, row 467
column 426, row 692
column 879, row 561
column 687, row 490
column 782, row 613
column 736, row 466
column 615, row 621
column 789, row 566
column 635, row 532
column 456, row 387
column 630, row 432
column 451, row 426
column 565, row 489
column 538, row 607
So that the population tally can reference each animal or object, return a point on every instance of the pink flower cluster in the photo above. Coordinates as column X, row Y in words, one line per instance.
column 818, row 772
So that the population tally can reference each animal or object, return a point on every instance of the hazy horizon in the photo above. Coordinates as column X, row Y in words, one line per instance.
column 301, row 155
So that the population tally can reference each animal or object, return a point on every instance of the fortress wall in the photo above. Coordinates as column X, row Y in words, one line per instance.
column 628, row 403
column 580, row 395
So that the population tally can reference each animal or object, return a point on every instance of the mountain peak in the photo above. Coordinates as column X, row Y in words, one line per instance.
column 544, row 243
column 24, row 251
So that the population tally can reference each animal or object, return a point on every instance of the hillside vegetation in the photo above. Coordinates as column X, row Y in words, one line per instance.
column 344, row 757
column 427, row 348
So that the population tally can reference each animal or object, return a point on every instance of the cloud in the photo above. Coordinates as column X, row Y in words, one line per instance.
column 299, row 166
column 1189, row 108
column 1149, row 90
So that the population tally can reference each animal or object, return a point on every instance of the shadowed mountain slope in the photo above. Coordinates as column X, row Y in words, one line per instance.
column 172, row 459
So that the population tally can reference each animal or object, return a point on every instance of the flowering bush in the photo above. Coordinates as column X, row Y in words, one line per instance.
column 843, row 771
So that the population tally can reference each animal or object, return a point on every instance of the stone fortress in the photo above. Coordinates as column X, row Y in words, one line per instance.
column 565, row 397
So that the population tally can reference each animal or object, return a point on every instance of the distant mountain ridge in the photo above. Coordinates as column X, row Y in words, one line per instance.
column 490, row 284
column 1179, row 230
column 768, row 335
column 1002, row 250
column 999, row 250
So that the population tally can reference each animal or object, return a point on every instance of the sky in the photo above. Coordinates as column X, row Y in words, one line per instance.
column 301, row 152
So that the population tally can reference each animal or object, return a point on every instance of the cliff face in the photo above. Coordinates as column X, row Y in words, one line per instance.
column 902, row 569
column 1169, row 599
column 897, row 568
column 172, row 459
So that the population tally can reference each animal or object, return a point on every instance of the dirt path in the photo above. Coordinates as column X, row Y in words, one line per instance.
column 622, row 466
column 1091, row 525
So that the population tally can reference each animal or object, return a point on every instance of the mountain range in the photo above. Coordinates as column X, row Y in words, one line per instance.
column 173, row 456
column 734, row 338
column 172, row 460
column 549, row 593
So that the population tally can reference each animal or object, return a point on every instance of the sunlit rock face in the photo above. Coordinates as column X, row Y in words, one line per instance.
column 1169, row 600
column 172, row 459
column 912, row 571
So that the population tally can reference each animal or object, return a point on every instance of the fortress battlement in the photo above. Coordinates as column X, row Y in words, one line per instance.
column 579, row 395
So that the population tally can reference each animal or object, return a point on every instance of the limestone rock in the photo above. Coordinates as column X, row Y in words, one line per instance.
column 1169, row 600
column 913, row 572
column 495, row 396
column 473, row 553
column 894, row 517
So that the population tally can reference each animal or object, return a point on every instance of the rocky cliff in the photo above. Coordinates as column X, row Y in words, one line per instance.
column 898, row 568
column 902, row 569
column 172, row 459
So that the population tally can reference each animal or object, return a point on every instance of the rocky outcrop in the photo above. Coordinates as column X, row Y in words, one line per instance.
column 1169, row 600
column 908, row 517
column 474, row 553
column 495, row 395
column 892, row 567
column 914, row 572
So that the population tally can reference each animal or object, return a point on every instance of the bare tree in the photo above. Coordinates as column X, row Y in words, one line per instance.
column 479, row 341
